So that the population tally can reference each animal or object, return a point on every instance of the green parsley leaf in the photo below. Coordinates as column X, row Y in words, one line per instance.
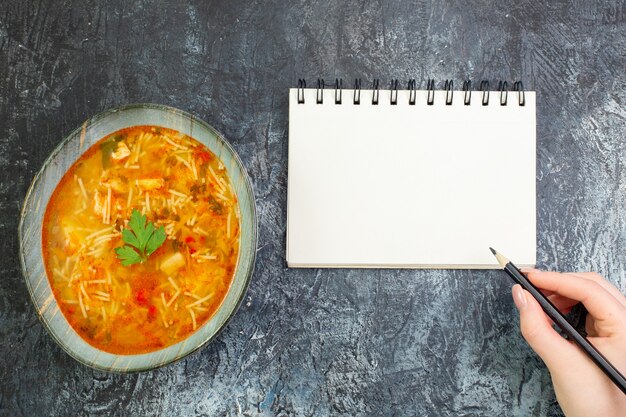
column 156, row 240
column 137, row 224
column 128, row 255
column 143, row 236
column 130, row 238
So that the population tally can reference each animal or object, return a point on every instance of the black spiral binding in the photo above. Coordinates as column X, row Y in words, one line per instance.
column 412, row 91
column 484, row 87
column 449, row 87
column 503, row 89
column 393, row 96
column 338, row 90
column 375, row 87
column 521, row 96
column 319, row 93
column 301, row 87
column 431, row 92
column 467, row 87
column 357, row 91
column 504, row 92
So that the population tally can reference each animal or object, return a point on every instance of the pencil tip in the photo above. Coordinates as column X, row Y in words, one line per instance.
column 492, row 250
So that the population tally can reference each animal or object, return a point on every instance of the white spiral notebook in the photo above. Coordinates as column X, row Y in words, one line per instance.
column 422, row 179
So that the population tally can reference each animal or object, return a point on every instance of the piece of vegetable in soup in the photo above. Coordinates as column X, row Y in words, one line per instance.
column 141, row 239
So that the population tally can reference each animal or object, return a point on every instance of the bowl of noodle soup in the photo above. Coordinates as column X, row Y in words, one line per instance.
column 138, row 238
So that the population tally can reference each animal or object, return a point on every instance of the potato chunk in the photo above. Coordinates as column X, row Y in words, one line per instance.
column 121, row 152
column 173, row 263
column 150, row 183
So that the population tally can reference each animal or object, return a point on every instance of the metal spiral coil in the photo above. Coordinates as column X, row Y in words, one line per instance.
column 504, row 92
column 467, row 97
column 319, row 93
column 357, row 91
column 375, row 88
column 484, row 87
column 521, row 97
column 301, row 87
column 448, row 87
column 431, row 92
column 412, row 91
column 393, row 89
column 338, row 90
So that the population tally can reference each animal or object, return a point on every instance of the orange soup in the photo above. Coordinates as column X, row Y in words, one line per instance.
column 141, row 239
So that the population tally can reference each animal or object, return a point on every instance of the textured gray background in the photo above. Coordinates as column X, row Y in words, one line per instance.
column 318, row 342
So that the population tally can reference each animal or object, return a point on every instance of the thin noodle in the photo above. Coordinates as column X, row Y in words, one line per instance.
column 174, row 144
column 99, row 232
column 177, row 193
column 82, row 188
column 217, row 180
column 193, row 317
column 200, row 301
column 195, row 171
column 174, row 297
column 190, row 294
column 173, row 283
column 108, row 205
column 82, row 305
column 130, row 196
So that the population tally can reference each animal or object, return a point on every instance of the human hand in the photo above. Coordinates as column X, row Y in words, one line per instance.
column 581, row 387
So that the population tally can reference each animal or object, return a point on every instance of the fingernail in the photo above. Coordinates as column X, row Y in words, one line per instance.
column 528, row 269
column 519, row 298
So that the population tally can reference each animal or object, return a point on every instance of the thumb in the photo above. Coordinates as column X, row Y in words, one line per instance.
column 536, row 328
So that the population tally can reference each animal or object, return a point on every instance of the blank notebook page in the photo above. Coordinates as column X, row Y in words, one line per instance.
column 410, row 186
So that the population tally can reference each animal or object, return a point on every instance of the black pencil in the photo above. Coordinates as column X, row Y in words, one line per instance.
column 562, row 322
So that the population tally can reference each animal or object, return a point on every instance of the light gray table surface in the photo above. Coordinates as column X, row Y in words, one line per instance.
column 318, row 342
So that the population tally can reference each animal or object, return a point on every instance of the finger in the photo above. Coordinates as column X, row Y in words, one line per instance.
column 598, row 301
column 538, row 332
column 526, row 269
column 590, row 327
column 612, row 289
column 594, row 276
column 547, row 293
column 562, row 303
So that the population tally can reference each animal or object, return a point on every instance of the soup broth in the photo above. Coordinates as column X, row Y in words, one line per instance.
column 161, row 296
